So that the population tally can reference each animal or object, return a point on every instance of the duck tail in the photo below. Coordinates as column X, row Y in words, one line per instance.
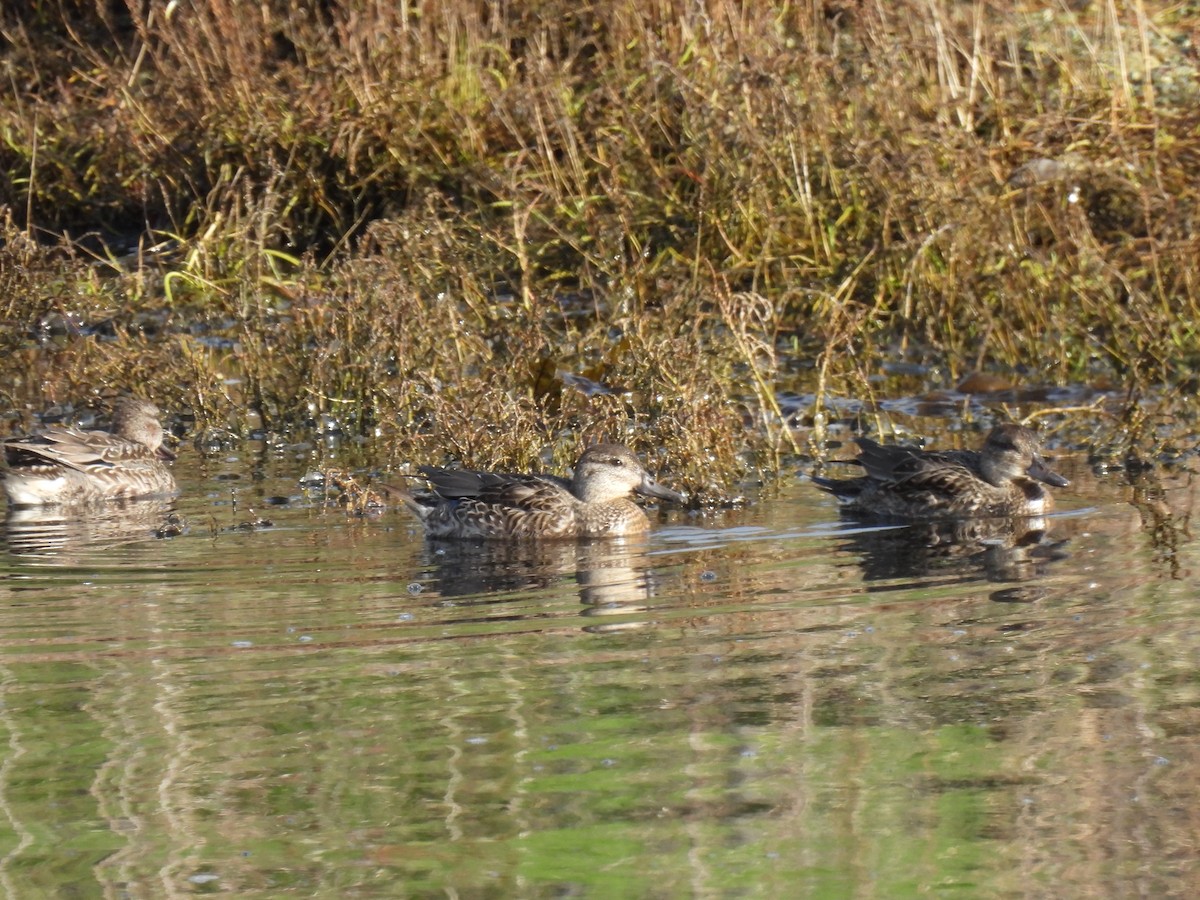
column 405, row 496
column 839, row 487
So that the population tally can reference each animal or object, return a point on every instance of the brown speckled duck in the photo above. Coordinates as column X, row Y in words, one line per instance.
column 1005, row 478
column 594, row 502
column 67, row 465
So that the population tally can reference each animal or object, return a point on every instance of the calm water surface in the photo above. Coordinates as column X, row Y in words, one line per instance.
column 761, row 703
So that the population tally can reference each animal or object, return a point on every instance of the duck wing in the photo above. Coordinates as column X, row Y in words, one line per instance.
column 75, row 449
column 893, row 462
column 917, row 470
column 497, row 489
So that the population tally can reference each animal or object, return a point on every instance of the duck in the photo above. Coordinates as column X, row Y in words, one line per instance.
column 594, row 502
column 69, row 466
column 1004, row 478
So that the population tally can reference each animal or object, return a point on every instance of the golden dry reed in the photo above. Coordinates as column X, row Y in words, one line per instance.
column 493, row 232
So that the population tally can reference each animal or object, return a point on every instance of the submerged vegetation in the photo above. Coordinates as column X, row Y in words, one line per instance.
column 491, row 232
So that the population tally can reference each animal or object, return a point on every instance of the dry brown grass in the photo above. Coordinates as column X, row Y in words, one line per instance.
column 431, row 226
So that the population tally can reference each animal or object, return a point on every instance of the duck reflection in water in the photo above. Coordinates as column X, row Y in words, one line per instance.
column 611, row 577
column 64, row 537
column 997, row 549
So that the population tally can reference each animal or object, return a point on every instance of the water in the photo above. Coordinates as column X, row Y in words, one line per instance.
column 761, row 703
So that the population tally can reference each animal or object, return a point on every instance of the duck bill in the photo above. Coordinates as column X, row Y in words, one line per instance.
column 650, row 488
column 164, row 454
column 1038, row 470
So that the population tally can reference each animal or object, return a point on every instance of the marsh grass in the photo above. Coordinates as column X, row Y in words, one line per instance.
column 493, row 233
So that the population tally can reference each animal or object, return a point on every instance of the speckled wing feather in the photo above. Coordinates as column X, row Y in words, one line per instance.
column 80, row 450
column 931, row 480
column 896, row 465
column 500, row 504
column 887, row 464
column 935, row 488
column 493, row 487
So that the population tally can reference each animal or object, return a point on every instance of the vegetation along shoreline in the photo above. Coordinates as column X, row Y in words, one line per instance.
column 494, row 235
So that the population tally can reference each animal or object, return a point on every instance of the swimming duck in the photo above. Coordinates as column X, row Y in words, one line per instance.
column 1005, row 478
column 594, row 502
column 67, row 465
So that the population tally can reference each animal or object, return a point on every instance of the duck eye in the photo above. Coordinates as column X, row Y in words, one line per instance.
column 616, row 461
